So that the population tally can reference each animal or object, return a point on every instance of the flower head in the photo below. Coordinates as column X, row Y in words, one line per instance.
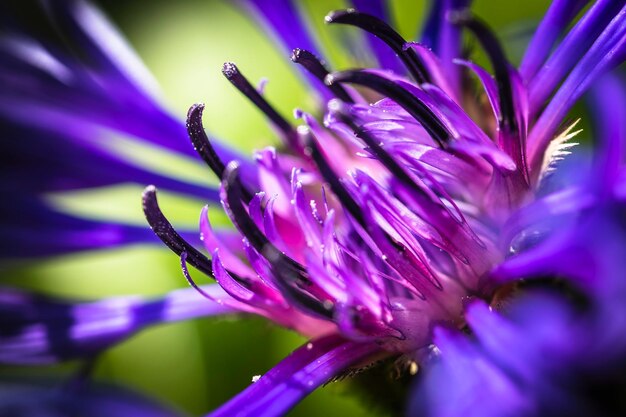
column 386, row 220
column 402, row 218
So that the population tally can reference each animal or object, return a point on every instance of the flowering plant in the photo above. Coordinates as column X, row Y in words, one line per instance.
column 408, row 220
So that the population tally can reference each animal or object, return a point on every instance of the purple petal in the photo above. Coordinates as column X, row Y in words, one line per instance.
column 37, row 329
column 554, row 22
column 570, row 51
column 384, row 55
column 609, row 107
column 606, row 52
column 282, row 19
column 518, row 364
column 110, row 86
column 463, row 382
column 310, row 366
column 29, row 228
column 444, row 38
column 78, row 157
column 88, row 25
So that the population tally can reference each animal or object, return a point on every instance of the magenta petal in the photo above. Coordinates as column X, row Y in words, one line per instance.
column 488, row 82
column 212, row 242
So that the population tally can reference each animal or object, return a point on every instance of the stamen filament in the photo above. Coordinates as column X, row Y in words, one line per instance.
column 292, row 278
column 384, row 32
column 165, row 231
column 335, row 183
column 404, row 98
column 202, row 144
column 232, row 73
column 498, row 60
column 319, row 70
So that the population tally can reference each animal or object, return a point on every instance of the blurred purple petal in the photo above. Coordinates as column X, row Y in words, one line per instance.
column 35, row 329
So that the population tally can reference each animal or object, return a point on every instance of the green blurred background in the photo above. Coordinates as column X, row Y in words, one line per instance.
column 198, row 365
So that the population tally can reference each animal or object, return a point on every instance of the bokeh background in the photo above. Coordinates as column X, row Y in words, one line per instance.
column 196, row 366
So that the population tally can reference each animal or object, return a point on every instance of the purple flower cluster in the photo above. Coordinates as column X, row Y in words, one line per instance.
column 415, row 219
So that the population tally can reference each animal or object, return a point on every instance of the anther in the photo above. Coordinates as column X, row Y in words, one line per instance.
column 317, row 68
column 165, row 231
column 497, row 57
column 383, row 31
column 336, row 186
column 404, row 98
column 202, row 144
column 232, row 73
column 190, row 281
column 291, row 277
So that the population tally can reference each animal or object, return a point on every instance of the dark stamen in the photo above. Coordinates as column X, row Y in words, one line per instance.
column 335, row 184
column 319, row 70
column 498, row 60
column 247, row 227
column 338, row 189
column 383, row 156
column 404, row 98
column 231, row 72
column 164, row 231
column 202, row 144
column 383, row 31
column 183, row 266
column 187, row 275
column 291, row 276
column 342, row 194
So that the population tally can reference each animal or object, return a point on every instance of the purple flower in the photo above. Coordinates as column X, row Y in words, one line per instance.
column 409, row 215
column 423, row 203
column 556, row 347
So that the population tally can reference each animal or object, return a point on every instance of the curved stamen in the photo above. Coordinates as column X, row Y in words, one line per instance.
column 335, row 184
column 232, row 73
column 500, row 65
column 202, row 144
column 319, row 71
column 382, row 155
column 342, row 194
column 404, row 98
column 383, row 31
column 247, row 227
column 200, row 140
column 291, row 276
column 187, row 275
column 165, row 231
